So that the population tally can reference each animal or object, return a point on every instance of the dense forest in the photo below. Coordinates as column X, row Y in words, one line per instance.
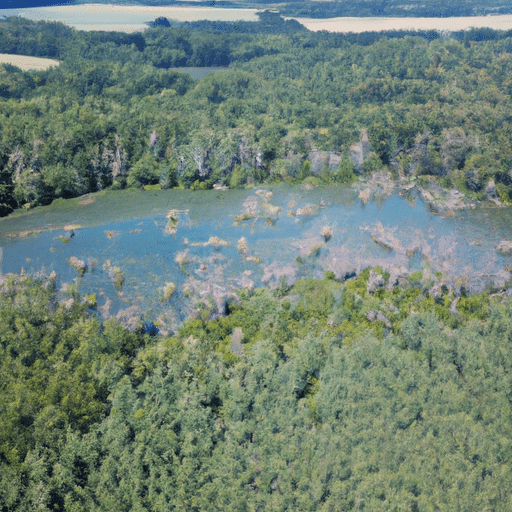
column 330, row 394
column 320, row 396
column 117, row 113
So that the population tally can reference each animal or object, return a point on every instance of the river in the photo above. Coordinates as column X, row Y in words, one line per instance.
column 210, row 248
column 128, row 18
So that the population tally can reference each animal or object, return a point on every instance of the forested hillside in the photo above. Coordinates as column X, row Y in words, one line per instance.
column 297, row 399
column 325, row 395
column 116, row 114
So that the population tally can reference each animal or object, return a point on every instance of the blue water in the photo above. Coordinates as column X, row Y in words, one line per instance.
column 462, row 247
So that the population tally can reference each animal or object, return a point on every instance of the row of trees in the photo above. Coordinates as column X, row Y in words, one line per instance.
column 415, row 8
column 113, row 114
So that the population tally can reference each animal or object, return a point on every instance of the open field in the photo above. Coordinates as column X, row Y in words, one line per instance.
column 130, row 18
column 378, row 24
column 27, row 63
column 127, row 18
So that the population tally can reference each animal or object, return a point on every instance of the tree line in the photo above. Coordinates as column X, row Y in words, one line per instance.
column 119, row 111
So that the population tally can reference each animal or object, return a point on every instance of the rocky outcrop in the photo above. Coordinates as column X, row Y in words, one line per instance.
column 16, row 164
column 491, row 192
column 455, row 146
column 202, row 158
column 436, row 292
column 375, row 281
column 310, row 209
column 453, row 307
column 379, row 184
column 245, row 281
column 397, row 276
column 326, row 233
column 257, row 160
column 109, row 162
column 130, row 318
column 242, row 246
column 215, row 242
column 365, row 195
column 360, row 151
column 322, row 159
column 424, row 159
column 444, row 202
column 116, row 160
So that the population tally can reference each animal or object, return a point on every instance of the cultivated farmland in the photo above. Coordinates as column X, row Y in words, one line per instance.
column 27, row 63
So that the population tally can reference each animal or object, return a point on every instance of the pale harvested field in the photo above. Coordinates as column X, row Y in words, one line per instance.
column 27, row 63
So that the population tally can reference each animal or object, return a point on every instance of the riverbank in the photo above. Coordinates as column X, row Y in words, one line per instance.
column 223, row 241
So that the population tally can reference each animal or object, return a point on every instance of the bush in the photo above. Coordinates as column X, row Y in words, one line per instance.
column 145, row 172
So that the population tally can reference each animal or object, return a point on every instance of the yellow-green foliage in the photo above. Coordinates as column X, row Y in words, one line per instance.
column 172, row 221
column 243, row 217
column 168, row 291
column 312, row 180
column 117, row 277
column 416, row 277
column 503, row 192
column 91, row 300
column 474, row 306
column 315, row 296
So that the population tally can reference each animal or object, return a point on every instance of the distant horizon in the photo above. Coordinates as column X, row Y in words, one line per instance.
column 27, row 4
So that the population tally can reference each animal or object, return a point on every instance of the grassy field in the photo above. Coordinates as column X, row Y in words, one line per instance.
column 27, row 63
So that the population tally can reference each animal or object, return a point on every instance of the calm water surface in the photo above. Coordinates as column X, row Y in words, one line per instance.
column 282, row 238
